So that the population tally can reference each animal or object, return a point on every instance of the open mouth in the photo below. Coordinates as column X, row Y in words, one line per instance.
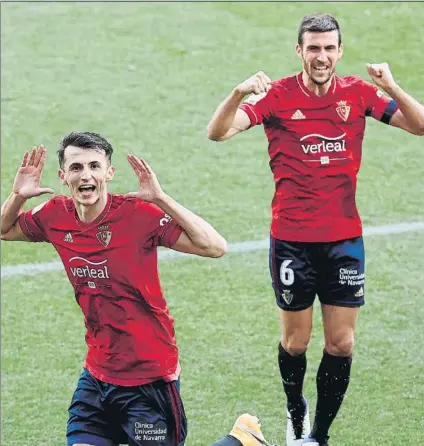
column 86, row 189
column 320, row 69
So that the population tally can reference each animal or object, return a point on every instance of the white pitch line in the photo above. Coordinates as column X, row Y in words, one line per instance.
column 32, row 269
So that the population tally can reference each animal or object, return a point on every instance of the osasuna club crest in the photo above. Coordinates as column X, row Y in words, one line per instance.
column 104, row 235
column 287, row 296
column 343, row 110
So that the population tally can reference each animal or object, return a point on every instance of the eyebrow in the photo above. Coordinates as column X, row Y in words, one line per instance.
column 318, row 46
column 80, row 164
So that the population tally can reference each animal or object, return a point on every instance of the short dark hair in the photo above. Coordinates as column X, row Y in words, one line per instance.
column 318, row 23
column 84, row 140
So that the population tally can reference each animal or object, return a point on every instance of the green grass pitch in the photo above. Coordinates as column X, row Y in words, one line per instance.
column 148, row 77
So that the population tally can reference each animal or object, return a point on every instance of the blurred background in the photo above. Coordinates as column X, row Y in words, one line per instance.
column 148, row 77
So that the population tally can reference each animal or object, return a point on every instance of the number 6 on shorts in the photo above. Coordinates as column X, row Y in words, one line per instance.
column 286, row 273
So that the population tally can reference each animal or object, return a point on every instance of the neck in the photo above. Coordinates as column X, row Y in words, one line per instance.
column 318, row 90
column 89, row 213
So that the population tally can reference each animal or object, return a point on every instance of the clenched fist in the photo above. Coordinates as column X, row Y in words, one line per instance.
column 381, row 75
column 256, row 84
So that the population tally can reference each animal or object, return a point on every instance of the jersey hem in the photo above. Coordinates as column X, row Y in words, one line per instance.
column 309, row 237
column 133, row 382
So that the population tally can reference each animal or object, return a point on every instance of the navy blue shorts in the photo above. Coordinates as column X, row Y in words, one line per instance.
column 332, row 270
column 103, row 414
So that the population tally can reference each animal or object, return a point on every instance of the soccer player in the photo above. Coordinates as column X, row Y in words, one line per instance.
column 128, row 391
column 315, row 123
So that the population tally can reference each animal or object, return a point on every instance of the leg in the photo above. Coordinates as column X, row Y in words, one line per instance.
column 294, row 283
column 339, row 329
column 341, row 294
column 296, row 332
column 88, row 423
column 296, row 327
column 334, row 371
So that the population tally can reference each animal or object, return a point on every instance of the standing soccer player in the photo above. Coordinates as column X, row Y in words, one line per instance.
column 129, row 389
column 315, row 124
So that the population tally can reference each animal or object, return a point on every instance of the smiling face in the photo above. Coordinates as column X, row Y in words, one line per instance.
column 320, row 52
column 86, row 172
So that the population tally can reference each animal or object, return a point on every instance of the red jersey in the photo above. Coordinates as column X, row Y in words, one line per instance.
column 112, row 265
column 315, row 149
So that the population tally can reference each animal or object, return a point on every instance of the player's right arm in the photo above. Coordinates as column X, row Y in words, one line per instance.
column 10, row 212
column 228, row 119
column 25, row 186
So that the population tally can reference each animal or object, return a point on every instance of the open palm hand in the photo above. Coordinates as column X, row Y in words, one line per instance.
column 150, row 188
column 28, row 176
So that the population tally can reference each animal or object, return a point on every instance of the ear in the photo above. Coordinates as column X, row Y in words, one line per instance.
column 61, row 174
column 341, row 48
column 299, row 51
column 110, row 173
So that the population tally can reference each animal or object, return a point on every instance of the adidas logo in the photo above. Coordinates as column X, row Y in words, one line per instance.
column 298, row 115
column 68, row 238
column 360, row 292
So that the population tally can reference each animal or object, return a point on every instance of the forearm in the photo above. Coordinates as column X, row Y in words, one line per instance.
column 223, row 117
column 201, row 233
column 10, row 211
column 411, row 109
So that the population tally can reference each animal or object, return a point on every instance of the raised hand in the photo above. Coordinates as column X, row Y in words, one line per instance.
column 28, row 176
column 256, row 84
column 150, row 189
column 381, row 75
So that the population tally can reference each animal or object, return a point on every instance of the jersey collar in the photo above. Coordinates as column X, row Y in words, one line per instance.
column 99, row 219
column 309, row 93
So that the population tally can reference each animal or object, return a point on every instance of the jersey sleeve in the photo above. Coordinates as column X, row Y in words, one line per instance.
column 259, row 107
column 378, row 105
column 157, row 227
column 33, row 222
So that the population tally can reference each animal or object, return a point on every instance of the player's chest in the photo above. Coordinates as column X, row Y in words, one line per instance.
column 327, row 134
column 95, row 255
column 330, row 118
column 104, row 236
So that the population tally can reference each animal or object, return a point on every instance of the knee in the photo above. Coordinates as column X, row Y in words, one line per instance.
column 341, row 346
column 295, row 346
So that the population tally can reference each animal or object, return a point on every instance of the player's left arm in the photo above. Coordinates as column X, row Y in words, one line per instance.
column 198, row 236
column 410, row 113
